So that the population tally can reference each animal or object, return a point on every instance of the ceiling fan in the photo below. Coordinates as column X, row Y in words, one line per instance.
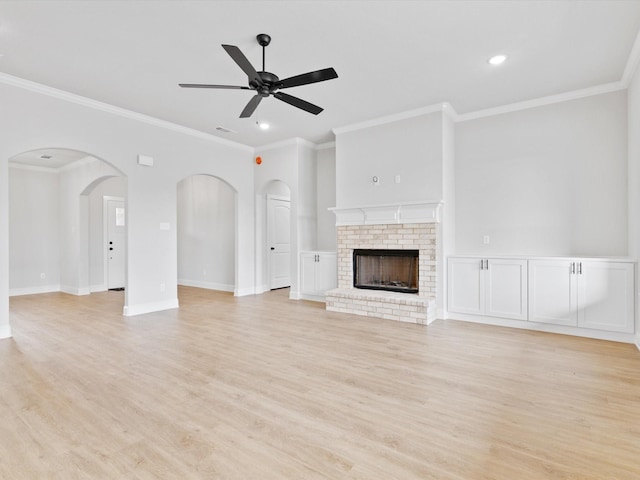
column 266, row 83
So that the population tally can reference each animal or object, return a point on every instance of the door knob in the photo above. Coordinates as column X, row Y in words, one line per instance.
column 110, row 248
column 273, row 248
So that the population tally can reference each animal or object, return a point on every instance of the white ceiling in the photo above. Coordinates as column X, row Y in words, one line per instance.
column 52, row 158
column 391, row 56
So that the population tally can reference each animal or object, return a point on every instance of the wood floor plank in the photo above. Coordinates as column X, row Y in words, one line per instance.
column 262, row 387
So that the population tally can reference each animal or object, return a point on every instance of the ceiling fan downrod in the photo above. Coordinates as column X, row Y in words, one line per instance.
column 263, row 40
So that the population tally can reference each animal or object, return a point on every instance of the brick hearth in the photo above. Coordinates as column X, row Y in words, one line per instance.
column 405, row 307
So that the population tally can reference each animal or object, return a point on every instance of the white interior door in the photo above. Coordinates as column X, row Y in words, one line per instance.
column 115, row 246
column 279, row 241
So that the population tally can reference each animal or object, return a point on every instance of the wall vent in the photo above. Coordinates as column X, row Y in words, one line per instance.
column 224, row 130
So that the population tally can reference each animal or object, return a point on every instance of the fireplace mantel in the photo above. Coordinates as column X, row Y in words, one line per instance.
column 410, row 212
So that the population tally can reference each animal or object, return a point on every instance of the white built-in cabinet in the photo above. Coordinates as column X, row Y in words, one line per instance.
column 494, row 287
column 595, row 294
column 585, row 293
column 318, row 273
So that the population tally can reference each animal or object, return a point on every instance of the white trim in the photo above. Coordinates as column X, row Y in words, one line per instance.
column 543, row 327
column 439, row 107
column 290, row 142
column 5, row 331
column 122, row 112
column 241, row 292
column 16, row 292
column 132, row 310
column 207, row 285
column 540, row 102
column 98, row 288
column 632, row 62
column 409, row 212
column 262, row 289
column 638, row 343
column 75, row 290
column 311, row 298
column 325, row 146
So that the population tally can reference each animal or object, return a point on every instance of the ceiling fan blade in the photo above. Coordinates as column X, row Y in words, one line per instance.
column 306, row 78
column 201, row 85
column 251, row 106
column 238, row 57
column 297, row 102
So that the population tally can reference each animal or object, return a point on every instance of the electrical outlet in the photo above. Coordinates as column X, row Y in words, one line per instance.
column 486, row 240
column 162, row 287
column 397, row 179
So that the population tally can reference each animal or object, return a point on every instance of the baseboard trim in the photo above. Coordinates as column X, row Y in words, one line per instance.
column 75, row 290
column 98, row 288
column 207, row 285
column 638, row 343
column 312, row 298
column 5, row 331
column 241, row 292
column 543, row 327
column 15, row 292
column 133, row 310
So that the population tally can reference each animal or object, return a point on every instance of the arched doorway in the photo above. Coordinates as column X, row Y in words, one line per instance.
column 53, row 220
column 206, row 233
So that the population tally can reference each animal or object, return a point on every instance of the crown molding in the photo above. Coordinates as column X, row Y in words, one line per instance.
column 121, row 112
column 290, row 142
column 540, row 102
column 439, row 107
column 632, row 62
column 326, row 146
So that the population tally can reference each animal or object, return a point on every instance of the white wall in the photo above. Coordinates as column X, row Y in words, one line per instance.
column 633, row 98
column 36, row 117
column 326, row 198
column 550, row 180
column 33, row 237
column 206, row 233
column 307, row 198
column 411, row 148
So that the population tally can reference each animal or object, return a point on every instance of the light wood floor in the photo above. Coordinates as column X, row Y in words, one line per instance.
column 262, row 387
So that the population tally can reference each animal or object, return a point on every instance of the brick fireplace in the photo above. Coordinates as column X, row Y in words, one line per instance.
column 388, row 227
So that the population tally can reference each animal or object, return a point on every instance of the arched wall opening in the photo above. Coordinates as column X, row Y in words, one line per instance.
column 53, row 222
column 207, row 233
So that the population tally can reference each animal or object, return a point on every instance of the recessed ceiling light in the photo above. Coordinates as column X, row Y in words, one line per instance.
column 497, row 59
column 263, row 125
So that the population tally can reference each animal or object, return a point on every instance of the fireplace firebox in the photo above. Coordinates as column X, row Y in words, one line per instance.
column 392, row 270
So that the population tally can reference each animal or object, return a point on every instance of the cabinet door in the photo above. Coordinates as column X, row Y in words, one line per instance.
column 606, row 296
column 465, row 286
column 552, row 292
column 327, row 272
column 308, row 273
column 506, row 288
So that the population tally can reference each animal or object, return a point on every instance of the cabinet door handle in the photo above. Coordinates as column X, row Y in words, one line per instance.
column 580, row 268
column 486, row 264
column 481, row 264
column 573, row 268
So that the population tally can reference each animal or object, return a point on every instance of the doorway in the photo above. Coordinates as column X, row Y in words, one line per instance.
column 115, row 242
column 279, row 241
